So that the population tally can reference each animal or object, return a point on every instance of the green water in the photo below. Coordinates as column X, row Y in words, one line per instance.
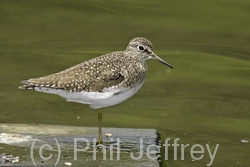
column 203, row 100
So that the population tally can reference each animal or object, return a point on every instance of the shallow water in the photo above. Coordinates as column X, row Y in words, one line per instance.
column 203, row 100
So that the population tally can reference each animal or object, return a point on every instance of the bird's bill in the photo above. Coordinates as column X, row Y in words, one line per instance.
column 154, row 56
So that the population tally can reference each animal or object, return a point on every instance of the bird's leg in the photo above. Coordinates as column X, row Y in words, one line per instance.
column 99, row 116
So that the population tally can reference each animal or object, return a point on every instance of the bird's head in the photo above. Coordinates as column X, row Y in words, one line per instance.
column 142, row 49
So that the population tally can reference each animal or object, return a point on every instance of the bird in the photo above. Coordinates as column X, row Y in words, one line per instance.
column 103, row 81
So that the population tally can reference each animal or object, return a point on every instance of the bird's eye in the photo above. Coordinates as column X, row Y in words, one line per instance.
column 140, row 48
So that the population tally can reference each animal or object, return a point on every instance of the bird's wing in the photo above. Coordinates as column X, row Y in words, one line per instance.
column 90, row 76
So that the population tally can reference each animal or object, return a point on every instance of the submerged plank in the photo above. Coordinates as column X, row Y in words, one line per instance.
column 50, row 145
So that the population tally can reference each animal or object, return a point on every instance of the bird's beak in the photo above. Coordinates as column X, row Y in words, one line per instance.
column 154, row 56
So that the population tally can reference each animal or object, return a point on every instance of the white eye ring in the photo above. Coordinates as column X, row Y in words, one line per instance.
column 140, row 48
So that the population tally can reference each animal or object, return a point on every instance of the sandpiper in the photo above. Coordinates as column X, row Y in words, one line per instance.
column 102, row 81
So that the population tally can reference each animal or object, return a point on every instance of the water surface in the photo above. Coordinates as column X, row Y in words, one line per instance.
column 203, row 100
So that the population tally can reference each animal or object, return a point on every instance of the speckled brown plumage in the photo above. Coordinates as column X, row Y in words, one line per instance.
column 93, row 75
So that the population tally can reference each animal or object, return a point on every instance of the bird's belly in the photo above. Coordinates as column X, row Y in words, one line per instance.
column 114, row 99
column 110, row 97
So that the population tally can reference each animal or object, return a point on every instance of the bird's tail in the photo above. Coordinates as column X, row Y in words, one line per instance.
column 27, row 85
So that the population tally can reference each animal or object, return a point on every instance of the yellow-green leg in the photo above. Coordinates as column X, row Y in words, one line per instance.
column 99, row 116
